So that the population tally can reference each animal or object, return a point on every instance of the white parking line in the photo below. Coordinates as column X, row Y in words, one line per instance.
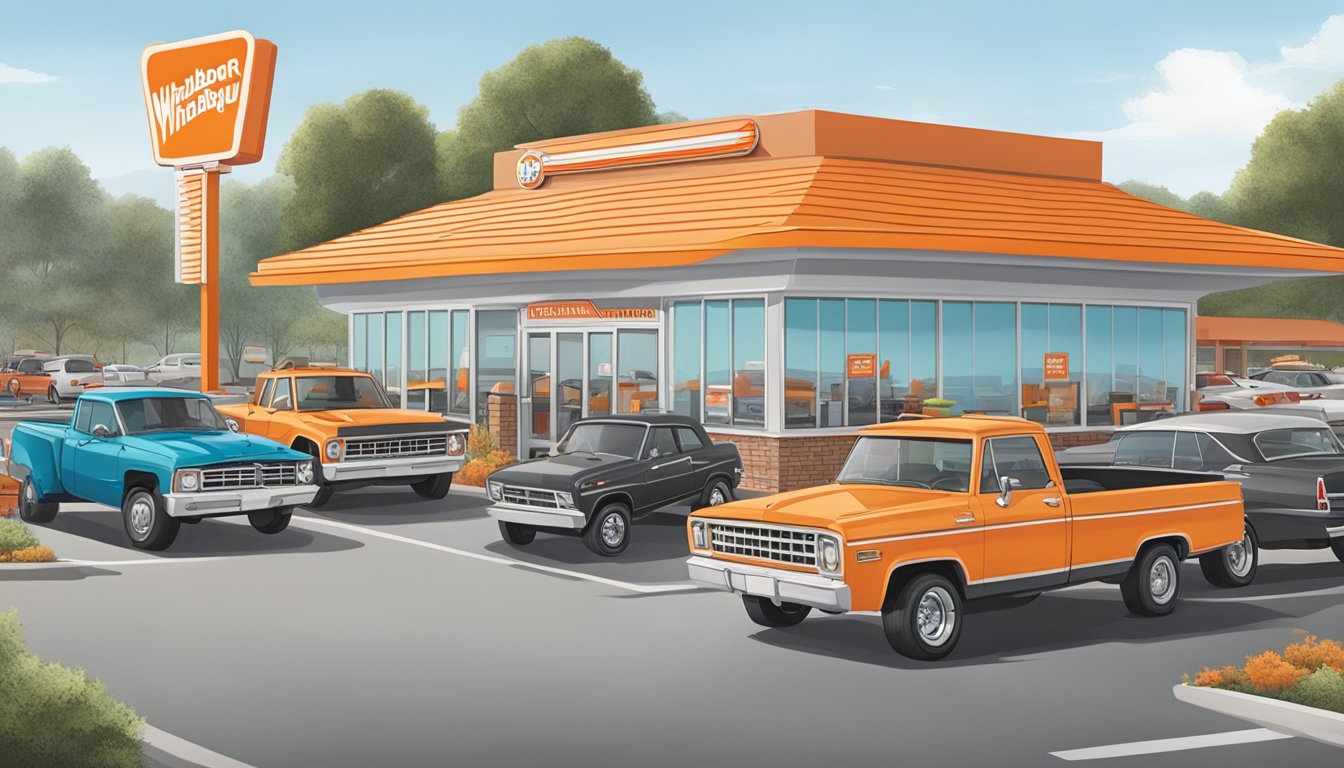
column 185, row 750
column 643, row 589
column 101, row 563
column 1156, row 746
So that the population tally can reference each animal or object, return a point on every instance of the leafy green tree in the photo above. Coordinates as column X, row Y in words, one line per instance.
column 1155, row 193
column 1295, row 178
column 356, row 165
column 150, row 305
column 250, row 225
column 557, row 88
column 1210, row 206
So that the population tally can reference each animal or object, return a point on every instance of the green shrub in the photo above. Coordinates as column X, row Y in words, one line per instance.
column 480, row 443
column 14, row 536
column 1323, row 688
column 52, row 715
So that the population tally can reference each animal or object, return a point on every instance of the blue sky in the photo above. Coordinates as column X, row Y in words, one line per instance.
column 1176, row 90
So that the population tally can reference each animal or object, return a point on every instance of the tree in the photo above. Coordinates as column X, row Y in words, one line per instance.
column 1152, row 192
column 1295, row 178
column 557, row 88
column 139, row 237
column 249, row 232
column 356, row 165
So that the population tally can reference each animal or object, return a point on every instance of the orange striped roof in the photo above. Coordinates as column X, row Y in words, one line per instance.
column 1268, row 330
column 677, row 215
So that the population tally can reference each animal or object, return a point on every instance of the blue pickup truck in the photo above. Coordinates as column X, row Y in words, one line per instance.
column 164, row 457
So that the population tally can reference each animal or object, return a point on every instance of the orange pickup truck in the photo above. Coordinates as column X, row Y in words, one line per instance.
column 928, row 515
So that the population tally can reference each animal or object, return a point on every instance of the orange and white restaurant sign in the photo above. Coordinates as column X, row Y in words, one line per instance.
column 1056, row 366
column 207, row 98
column 583, row 309
column 861, row 366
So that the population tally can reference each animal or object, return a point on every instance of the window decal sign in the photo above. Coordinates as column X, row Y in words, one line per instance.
column 861, row 366
column 1056, row 366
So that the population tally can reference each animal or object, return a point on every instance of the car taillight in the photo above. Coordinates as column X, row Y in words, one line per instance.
column 1322, row 500
column 1213, row 405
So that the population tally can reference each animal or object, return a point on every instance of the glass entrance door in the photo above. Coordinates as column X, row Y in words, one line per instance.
column 571, row 374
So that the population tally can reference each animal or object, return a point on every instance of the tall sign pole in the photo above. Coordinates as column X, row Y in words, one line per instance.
column 207, row 100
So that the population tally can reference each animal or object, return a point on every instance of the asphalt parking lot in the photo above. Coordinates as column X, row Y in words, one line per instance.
column 391, row 631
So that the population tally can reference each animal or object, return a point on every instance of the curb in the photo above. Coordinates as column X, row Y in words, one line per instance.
column 1284, row 717
column 471, row 490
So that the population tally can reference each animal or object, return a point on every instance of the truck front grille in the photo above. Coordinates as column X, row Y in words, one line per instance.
column 394, row 447
column 779, row 545
column 530, row 497
column 248, row 476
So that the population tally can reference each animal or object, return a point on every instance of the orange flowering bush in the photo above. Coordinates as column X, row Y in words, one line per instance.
column 29, row 555
column 476, row 470
column 1309, row 672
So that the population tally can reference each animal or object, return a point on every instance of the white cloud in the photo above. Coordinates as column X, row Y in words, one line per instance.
column 1325, row 49
column 10, row 74
column 884, row 87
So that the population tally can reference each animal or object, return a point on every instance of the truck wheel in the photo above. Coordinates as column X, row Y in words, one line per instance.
column 1337, row 545
column 33, row 511
column 716, row 492
column 271, row 520
column 434, row 486
column 767, row 614
column 517, row 534
column 324, row 490
column 1153, row 584
column 53, row 396
column 14, row 388
column 608, row 532
column 923, row 620
column 1234, row 565
column 147, row 523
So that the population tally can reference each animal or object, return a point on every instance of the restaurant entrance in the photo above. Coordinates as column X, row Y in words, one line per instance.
column 571, row 373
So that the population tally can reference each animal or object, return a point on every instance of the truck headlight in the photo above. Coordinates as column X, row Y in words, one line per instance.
column 333, row 450
column 187, row 480
column 456, row 445
column 565, row 498
column 828, row 553
column 699, row 534
column 303, row 472
column 496, row 490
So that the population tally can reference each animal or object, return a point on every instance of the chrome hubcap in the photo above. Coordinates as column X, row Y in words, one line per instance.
column 613, row 530
column 1239, row 556
column 1161, row 580
column 935, row 617
column 716, row 497
column 142, row 516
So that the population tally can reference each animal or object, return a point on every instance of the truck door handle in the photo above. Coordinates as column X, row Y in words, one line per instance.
column 1053, row 501
column 965, row 519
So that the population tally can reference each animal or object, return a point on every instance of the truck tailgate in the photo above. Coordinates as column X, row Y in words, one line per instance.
column 1109, row 526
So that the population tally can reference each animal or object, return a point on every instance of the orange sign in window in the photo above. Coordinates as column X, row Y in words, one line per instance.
column 207, row 98
column 861, row 366
column 1056, row 366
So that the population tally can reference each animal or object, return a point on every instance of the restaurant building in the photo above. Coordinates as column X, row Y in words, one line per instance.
column 1247, row 345
column 786, row 279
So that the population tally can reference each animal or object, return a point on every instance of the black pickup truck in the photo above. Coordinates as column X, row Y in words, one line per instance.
column 608, row 471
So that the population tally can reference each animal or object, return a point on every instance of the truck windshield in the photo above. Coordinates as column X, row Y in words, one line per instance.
column 596, row 437
column 326, row 393
column 1292, row 443
column 169, row 414
column 916, row 462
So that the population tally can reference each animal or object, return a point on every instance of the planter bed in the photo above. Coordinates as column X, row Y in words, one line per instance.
column 1284, row 717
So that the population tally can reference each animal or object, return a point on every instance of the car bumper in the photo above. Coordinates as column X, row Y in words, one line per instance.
column 237, row 501
column 569, row 519
column 381, row 469
column 777, row 584
column 1279, row 527
column 1335, row 532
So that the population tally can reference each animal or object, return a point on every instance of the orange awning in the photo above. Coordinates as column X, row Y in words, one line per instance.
column 677, row 215
column 1276, row 331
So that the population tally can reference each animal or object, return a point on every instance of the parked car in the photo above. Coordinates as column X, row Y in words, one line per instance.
column 9, row 487
column 344, row 420
column 164, row 457
column 120, row 374
column 69, row 375
column 1324, row 383
column 1291, row 470
column 608, row 472
column 927, row 515
column 26, row 377
column 185, row 365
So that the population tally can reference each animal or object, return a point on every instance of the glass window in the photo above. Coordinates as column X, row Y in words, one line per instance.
column 831, row 359
column 436, row 370
column 496, row 357
column 915, row 462
column 923, row 348
column 664, row 441
column 84, row 420
column 1145, row 449
column 861, row 342
column 280, row 399
column 392, row 350
column 688, row 439
column 1288, row 443
column 893, row 354
column 600, row 374
column 79, row 366
column 1187, row 455
column 569, row 376
column 637, row 379
column 1015, row 457
column 995, row 382
column 1152, row 379
column 958, row 354
column 1125, row 349
column 1051, row 329
column 800, row 363
column 164, row 414
column 375, row 346
column 460, row 358
column 598, row 437
column 101, row 415
column 1206, row 359
column 264, row 396
column 718, row 384
column 323, row 393
column 417, row 373
column 1101, row 391
column 1174, row 342
column 749, row 362
column 686, row 359
column 359, row 353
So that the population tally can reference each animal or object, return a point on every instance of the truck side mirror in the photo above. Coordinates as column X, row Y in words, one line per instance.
column 1006, row 486
column 653, row 453
column 101, row 431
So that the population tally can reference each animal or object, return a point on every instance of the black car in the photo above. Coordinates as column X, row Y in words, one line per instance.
column 1291, row 470
column 608, row 471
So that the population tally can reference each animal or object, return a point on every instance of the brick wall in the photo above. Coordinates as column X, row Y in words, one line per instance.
column 775, row 464
column 502, row 412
